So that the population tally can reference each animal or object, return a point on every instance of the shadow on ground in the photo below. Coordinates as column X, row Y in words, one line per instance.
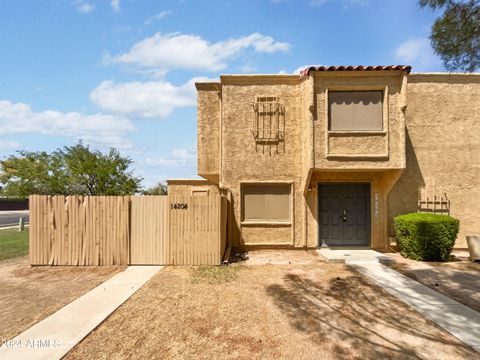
column 458, row 280
column 358, row 322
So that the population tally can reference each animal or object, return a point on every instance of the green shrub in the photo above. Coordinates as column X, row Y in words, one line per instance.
column 426, row 236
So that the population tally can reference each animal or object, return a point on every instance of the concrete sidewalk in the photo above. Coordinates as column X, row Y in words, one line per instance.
column 54, row 336
column 347, row 255
column 458, row 319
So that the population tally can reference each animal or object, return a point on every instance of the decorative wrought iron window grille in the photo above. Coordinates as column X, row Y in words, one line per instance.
column 269, row 120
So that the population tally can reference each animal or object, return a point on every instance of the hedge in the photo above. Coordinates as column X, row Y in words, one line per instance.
column 426, row 236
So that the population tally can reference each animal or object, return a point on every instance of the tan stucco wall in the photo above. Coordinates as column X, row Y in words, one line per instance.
column 244, row 162
column 361, row 150
column 308, row 151
column 208, row 134
column 441, row 115
column 186, row 187
column 443, row 148
column 358, row 144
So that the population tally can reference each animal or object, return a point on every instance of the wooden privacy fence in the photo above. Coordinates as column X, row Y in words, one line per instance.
column 115, row 230
column 77, row 230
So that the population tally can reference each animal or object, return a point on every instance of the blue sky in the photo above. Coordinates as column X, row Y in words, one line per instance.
column 120, row 73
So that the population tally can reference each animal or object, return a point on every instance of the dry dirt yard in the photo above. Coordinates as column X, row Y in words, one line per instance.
column 30, row 294
column 274, row 311
column 458, row 278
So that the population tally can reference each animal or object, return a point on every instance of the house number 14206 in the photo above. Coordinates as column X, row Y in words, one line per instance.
column 179, row 206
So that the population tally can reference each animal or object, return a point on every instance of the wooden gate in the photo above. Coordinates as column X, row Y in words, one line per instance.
column 149, row 230
column 178, row 230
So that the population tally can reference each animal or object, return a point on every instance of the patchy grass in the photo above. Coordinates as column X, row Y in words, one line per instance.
column 13, row 243
column 29, row 294
column 313, row 311
column 214, row 274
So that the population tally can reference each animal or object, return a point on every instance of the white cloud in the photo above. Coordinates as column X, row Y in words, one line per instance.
column 248, row 68
column 9, row 145
column 185, row 51
column 105, row 130
column 84, row 7
column 161, row 15
column 115, row 4
column 417, row 52
column 182, row 157
column 300, row 68
column 152, row 99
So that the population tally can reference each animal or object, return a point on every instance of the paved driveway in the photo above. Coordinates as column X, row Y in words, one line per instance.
column 9, row 218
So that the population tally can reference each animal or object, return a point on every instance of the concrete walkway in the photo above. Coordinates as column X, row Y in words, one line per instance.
column 54, row 336
column 459, row 320
column 347, row 255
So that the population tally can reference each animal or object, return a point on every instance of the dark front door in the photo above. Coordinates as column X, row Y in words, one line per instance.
column 344, row 214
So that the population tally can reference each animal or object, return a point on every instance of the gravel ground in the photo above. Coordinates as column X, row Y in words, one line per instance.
column 292, row 311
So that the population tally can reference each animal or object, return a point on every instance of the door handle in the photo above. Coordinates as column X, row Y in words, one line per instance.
column 344, row 217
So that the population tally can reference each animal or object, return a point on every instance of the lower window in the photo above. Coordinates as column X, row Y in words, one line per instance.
column 266, row 202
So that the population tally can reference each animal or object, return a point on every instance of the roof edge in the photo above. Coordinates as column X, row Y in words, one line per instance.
column 254, row 78
column 208, row 86
column 306, row 72
column 445, row 74
column 188, row 182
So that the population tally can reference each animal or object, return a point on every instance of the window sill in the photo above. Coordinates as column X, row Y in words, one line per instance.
column 265, row 222
column 357, row 157
column 356, row 132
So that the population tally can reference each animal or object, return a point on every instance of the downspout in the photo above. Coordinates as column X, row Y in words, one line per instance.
column 228, row 250
column 403, row 108
column 311, row 112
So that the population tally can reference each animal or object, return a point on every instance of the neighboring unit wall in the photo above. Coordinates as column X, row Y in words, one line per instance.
column 443, row 149
column 208, row 136
column 247, row 160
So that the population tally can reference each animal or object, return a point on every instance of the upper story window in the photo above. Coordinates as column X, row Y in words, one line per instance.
column 355, row 110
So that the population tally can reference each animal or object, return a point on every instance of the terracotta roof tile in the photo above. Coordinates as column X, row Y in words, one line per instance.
column 305, row 72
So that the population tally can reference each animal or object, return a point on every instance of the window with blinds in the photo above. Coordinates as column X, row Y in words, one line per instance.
column 355, row 110
column 266, row 202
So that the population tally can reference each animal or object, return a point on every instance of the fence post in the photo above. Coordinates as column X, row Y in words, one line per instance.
column 21, row 224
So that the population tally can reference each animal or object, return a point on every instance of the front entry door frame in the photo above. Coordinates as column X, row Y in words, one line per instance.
column 368, row 212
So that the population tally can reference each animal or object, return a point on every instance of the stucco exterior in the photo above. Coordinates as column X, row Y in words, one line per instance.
column 426, row 142
column 442, row 149
column 191, row 187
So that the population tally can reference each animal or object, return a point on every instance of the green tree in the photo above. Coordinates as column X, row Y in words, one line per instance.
column 72, row 170
column 159, row 189
column 455, row 34
column 93, row 173
column 33, row 173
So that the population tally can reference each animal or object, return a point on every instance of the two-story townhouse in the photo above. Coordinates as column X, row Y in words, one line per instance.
column 329, row 157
